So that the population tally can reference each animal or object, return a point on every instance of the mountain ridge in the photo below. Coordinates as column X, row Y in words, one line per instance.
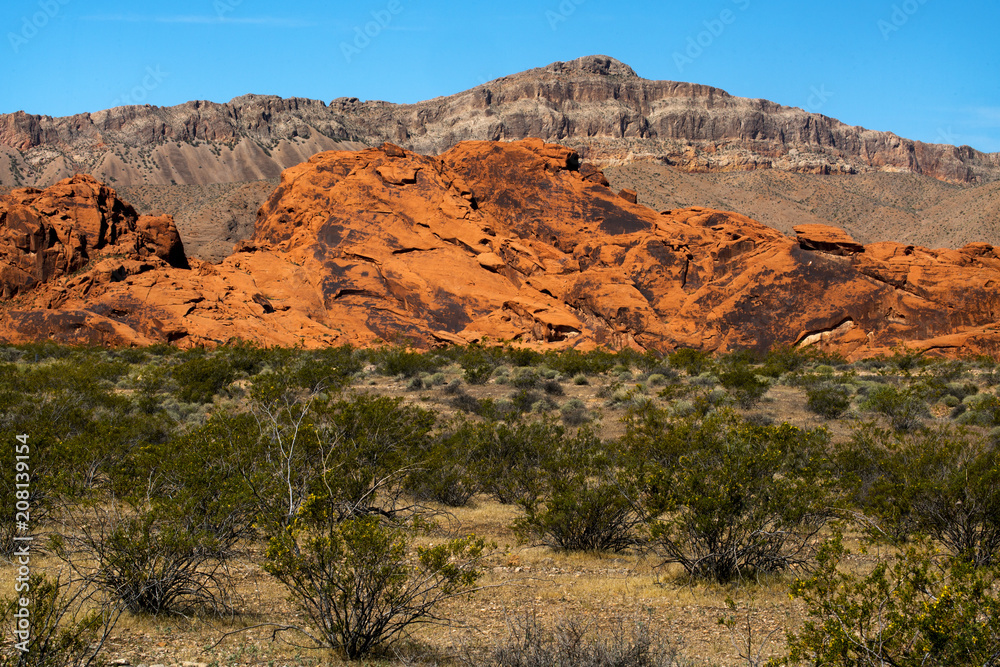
column 595, row 105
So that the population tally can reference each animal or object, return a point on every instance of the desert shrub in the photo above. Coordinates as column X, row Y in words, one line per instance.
column 574, row 412
column 526, row 378
column 982, row 410
column 499, row 410
column 466, row 403
column 352, row 453
column 574, row 362
column 394, row 361
column 367, row 443
column 151, row 562
column 904, row 408
column 328, row 368
column 724, row 498
column 943, row 482
column 445, row 472
column 829, row 399
column 553, row 388
column 77, row 431
column 656, row 380
column 746, row 388
column 162, row 542
column 454, row 388
column 415, row 384
column 572, row 642
column 522, row 357
column 990, row 377
column 782, row 360
column 580, row 380
column 435, row 380
column 608, row 390
column 360, row 588
column 869, row 474
column 478, row 364
column 915, row 609
column 961, row 389
column 524, row 400
column 510, row 456
column 200, row 378
column 704, row 380
column 63, row 633
column 584, row 505
column 692, row 362
column 249, row 358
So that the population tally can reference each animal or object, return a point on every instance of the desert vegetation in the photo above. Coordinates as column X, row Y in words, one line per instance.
column 496, row 505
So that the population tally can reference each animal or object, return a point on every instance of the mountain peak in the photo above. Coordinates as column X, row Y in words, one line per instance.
column 601, row 65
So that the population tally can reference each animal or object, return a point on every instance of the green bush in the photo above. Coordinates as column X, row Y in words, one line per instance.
column 725, row 498
column 905, row 408
column 445, row 472
column 510, row 456
column 744, row 385
column 325, row 369
column 574, row 362
column 693, row 362
column 526, row 378
column 943, row 482
column 359, row 586
column 152, row 561
column 68, row 628
column 584, row 504
column 913, row 610
column 366, row 444
column 478, row 364
column 982, row 410
column 829, row 399
column 200, row 378
column 574, row 412
column 393, row 361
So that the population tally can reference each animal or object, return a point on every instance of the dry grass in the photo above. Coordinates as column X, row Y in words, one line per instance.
column 522, row 579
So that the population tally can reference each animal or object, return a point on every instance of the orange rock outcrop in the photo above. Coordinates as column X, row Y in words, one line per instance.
column 498, row 241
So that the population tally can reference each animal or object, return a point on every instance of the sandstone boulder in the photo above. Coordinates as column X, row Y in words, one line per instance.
column 823, row 238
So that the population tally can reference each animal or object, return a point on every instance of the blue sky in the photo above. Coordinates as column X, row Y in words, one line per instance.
column 925, row 69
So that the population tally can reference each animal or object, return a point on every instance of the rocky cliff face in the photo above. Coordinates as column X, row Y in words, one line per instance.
column 596, row 105
column 53, row 234
column 509, row 241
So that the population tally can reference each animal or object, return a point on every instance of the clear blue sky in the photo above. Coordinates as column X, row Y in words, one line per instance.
column 925, row 69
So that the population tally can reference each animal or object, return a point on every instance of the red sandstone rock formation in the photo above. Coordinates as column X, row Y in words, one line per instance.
column 506, row 241
column 48, row 234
